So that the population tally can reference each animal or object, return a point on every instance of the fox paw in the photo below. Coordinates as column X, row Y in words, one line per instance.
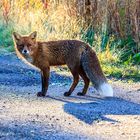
column 40, row 94
column 67, row 94
column 81, row 94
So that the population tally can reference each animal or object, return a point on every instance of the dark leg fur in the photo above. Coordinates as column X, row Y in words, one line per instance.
column 86, row 81
column 44, row 79
column 75, row 82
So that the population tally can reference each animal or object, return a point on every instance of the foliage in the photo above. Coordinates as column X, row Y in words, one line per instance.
column 5, row 35
column 113, row 68
column 88, row 36
column 128, row 51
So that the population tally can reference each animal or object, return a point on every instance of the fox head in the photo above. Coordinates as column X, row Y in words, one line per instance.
column 25, row 45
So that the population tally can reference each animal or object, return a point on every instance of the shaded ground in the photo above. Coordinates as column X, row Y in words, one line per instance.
column 25, row 116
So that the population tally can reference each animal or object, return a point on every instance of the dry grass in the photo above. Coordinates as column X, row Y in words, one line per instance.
column 51, row 23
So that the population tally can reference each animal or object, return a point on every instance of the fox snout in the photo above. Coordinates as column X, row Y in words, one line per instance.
column 25, row 51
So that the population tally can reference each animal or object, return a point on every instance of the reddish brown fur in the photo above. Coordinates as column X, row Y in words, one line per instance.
column 52, row 53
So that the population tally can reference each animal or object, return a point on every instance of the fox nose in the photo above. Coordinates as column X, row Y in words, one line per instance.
column 25, row 51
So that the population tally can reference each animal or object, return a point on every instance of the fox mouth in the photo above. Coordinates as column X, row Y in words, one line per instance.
column 26, row 55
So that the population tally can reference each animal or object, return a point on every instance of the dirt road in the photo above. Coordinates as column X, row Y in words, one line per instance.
column 25, row 116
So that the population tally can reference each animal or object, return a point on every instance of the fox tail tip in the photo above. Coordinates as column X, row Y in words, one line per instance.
column 106, row 90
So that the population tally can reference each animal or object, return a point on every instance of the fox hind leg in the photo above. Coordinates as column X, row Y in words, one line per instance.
column 86, row 81
column 75, row 81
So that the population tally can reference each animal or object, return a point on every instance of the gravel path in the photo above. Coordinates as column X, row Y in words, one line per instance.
column 25, row 116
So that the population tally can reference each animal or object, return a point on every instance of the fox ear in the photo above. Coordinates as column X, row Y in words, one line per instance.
column 33, row 35
column 16, row 36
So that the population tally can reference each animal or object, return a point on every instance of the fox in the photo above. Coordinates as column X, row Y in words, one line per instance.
column 79, row 57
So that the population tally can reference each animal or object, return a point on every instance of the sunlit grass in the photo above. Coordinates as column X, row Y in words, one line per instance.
column 51, row 24
column 113, row 68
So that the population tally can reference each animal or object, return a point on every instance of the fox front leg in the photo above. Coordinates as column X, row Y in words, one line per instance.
column 45, row 81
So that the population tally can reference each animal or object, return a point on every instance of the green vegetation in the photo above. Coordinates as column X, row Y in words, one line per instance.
column 6, row 41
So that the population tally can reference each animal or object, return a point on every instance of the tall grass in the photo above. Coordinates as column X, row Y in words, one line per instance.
column 53, row 23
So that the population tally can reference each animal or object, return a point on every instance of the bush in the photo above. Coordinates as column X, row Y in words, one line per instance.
column 5, row 35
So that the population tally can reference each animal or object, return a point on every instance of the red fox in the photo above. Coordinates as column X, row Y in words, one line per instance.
column 77, row 55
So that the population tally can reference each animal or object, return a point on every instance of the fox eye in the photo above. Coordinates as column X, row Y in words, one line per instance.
column 21, row 46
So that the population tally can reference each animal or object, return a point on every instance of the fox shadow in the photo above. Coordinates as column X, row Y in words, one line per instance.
column 96, row 109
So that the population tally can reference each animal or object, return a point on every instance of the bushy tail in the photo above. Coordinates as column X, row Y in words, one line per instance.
column 92, row 68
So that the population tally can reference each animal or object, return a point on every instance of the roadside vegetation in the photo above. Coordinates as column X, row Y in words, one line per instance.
column 112, row 28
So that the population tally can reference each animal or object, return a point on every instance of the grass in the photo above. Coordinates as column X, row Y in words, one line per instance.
column 5, row 35
column 113, row 68
column 124, row 73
